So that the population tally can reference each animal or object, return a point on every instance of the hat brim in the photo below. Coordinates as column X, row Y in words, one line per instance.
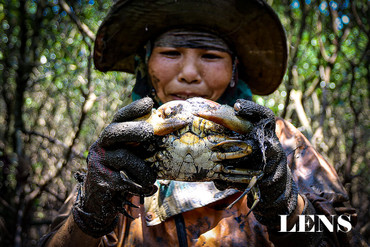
column 251, row 27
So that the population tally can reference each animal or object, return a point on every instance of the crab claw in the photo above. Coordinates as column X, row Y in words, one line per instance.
column 245, row 150
column 163, row 126
column 225, row 115
column 168, row 126
column 164, row 120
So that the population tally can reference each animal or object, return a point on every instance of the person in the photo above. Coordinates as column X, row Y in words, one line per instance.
column 219, row 50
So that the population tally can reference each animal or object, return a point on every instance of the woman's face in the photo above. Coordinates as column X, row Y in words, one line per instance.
column 181, row 73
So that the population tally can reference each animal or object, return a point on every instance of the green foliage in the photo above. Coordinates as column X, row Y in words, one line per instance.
column 54, row 104
column 329, row 67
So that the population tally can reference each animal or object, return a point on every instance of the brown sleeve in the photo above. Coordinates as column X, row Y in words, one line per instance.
column 316, row 179
column 63, row 214
column 61, row 218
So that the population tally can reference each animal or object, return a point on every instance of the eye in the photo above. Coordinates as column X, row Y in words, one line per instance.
column 170, row 53
column 211, row 56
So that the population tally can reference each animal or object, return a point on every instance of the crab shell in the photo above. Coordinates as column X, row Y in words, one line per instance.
column 197, row 134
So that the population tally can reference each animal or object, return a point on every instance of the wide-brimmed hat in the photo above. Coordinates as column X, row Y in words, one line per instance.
column 251, row 27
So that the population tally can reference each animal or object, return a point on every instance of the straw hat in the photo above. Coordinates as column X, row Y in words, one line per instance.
column 251, row 27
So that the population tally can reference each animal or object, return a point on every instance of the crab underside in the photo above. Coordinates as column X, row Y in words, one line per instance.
column 197, row 137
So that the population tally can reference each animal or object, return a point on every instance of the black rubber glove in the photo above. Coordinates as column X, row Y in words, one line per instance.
column 114, row 172
column 278, row 191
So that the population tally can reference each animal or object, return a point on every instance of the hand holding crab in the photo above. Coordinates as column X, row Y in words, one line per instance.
column 277, row 190
column 195, row 151
column 235, row 148
column 114, row 172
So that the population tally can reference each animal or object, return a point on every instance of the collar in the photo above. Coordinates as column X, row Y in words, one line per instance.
column 175, row 197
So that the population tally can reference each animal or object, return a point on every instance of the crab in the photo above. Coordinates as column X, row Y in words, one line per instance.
column 197, row 138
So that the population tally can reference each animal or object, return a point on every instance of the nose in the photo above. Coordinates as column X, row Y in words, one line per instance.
column 189, row 71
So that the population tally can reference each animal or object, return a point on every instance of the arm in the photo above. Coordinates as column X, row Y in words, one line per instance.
column 316, row 179
column 278, row 191
column 293, row 218
column 71, row 235
column 113, row 176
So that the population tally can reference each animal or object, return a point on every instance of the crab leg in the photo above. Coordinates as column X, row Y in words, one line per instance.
column 256, row 196
column 225, row 116
column 219, row 156
column 241, row 171
column 246, row 191
column 235, row 175
column 128, row 180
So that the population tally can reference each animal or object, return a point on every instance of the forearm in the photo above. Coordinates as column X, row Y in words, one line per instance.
column 296, row 238
column 71, row 235
column 293, row 218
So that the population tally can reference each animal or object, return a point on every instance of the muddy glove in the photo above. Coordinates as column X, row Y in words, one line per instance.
column 278, row 192
column 114, row 173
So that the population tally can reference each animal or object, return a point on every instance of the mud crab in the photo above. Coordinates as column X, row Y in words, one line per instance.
column 197, row 137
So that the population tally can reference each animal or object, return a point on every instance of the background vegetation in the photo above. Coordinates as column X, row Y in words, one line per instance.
column 54, row 104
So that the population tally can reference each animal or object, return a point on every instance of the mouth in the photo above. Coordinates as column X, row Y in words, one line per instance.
column 186, row 96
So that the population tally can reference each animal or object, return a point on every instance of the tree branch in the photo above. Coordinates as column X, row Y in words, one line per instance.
column 294, row 56
column 302, row 116
column 312, row 88
column 84, row 29
column 55, row 141
column 86, row 106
